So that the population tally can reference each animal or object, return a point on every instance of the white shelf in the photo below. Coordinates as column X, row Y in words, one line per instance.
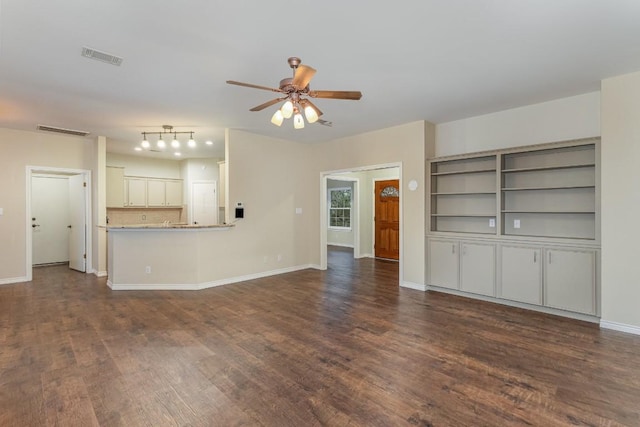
column 546, row 168
column 462, row 172
column 567, row 187
column 549, row 212
column 461, row 215
column 464, row 193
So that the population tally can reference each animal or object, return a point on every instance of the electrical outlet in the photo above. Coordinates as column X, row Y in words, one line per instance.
column 279, row 257
column 298, row 211
column 516, row 223
column 147, row 269
column 492, row 222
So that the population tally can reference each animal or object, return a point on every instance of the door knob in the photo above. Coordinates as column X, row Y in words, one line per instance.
column 68, row 226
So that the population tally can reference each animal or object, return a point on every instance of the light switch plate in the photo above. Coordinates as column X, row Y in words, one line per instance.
column 516, row 223
column 298, row 211
column 492, row 222
column 1, row 211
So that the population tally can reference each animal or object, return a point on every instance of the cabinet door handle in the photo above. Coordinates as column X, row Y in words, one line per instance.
column 453, row 249
column 549, row 257
column 535, row 257
column 464, row 250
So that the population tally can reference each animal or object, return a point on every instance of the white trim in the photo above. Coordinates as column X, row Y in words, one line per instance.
column 30, row 171
column 416, row 286
column 495, row 300
column 11, row 280
column 205, row 285
column 323, row 213
column 366, row 256
column 622, row 327
column 100, row 273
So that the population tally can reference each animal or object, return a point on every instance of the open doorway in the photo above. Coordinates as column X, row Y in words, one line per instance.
column 58, row 218
column 361, row 239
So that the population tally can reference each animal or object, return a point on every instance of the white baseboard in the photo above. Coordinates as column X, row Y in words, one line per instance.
column 622, row 327
column 205, row 285
column 365, row 256
column 10, row 280
column 416, row 286
column 99, row 273
column 315, row 266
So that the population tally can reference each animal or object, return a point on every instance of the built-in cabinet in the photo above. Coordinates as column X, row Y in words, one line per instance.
column 518, row 225
column 141, row 192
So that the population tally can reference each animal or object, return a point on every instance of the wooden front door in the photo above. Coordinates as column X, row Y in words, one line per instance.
column 387, row 219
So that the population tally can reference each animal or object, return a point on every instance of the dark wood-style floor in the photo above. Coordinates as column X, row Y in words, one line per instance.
column 341, row 347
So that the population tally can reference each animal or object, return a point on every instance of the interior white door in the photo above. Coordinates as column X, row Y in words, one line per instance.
column 50, row 219
column 78, row 221
column 204, row 203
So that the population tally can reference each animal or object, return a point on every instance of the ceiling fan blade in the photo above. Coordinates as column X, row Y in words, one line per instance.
column 267, row 104
column 233, row 82
column 303, row 76
column 306, row 101
column 336, row 94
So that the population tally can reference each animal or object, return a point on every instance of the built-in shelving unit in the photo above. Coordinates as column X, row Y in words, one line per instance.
column 463, row 195
column 549, row 193
column 519, row 226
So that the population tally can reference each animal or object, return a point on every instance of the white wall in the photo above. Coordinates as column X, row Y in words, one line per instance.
column 197, row 170
column 559, row 120
column 19, row 149
column 620, row 181
column 145, row 166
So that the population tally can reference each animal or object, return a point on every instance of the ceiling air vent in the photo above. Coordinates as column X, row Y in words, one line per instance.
column 101, row 56
column 62, row 130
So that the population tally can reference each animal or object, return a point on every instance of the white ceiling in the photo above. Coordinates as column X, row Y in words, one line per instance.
column 425, row 59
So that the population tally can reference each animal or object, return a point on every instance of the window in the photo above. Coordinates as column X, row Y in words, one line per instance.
column 340, row 208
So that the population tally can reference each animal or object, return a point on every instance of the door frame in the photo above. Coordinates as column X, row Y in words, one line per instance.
column 30, row 171
column 355, row 210
column 217, row 202
column 373, row 209
column 324, row 210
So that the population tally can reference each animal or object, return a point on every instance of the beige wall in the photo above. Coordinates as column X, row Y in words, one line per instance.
column 403, row 144
column 19, row 149
column 559, row 120
column 145, row 166
column 620, row 180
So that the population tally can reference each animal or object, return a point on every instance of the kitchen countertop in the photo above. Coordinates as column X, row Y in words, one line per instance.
column 168, row 226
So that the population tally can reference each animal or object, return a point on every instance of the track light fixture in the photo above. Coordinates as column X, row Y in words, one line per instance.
column 161, row 144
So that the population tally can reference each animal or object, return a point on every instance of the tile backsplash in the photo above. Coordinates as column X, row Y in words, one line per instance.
column 132, row 216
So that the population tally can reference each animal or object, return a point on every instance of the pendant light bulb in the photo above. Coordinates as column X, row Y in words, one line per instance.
column 161, row 143
column 277, row 118
column 298, row 121
column 191, row 143
column 145, row 143
column 311, row 114
column 287, row 109
column 175, row 143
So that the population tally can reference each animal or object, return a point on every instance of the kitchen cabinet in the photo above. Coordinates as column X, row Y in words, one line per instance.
column 135, row 192
column 173, row 193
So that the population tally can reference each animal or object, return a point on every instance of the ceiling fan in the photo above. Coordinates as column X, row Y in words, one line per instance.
column 295, row 93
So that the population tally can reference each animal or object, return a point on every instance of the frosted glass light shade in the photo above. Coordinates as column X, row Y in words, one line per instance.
column 277, row 118
column 145, row 144
column 311, row 114
column 191, row 143
column 287, row 109
column 175, row 143
column 298, row 121
column 161, row 143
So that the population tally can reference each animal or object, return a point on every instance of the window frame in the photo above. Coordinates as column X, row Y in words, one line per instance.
column 329, row 208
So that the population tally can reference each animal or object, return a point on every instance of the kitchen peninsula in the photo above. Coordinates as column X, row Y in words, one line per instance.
column 167, row 256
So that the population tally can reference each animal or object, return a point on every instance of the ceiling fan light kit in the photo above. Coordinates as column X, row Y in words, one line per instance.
column 296, row 90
